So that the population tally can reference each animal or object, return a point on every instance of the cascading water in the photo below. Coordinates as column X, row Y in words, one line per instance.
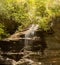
column 29, row 34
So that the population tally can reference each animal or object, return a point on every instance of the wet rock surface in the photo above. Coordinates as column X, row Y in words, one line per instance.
column 44, row 50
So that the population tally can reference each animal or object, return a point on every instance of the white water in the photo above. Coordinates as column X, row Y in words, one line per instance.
column 30, row 33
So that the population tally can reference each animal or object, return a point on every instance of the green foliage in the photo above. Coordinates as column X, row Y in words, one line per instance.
column 45, row 11
column 13, row 12
column 1, row 29
column 3, row 33
column 18, row 14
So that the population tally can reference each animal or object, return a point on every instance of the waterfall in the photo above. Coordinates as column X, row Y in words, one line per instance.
column 29, row 34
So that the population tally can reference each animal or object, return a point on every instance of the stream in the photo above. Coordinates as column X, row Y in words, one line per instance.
column 35, row 48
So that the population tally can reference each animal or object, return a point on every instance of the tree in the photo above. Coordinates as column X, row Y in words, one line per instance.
column 22, row 13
